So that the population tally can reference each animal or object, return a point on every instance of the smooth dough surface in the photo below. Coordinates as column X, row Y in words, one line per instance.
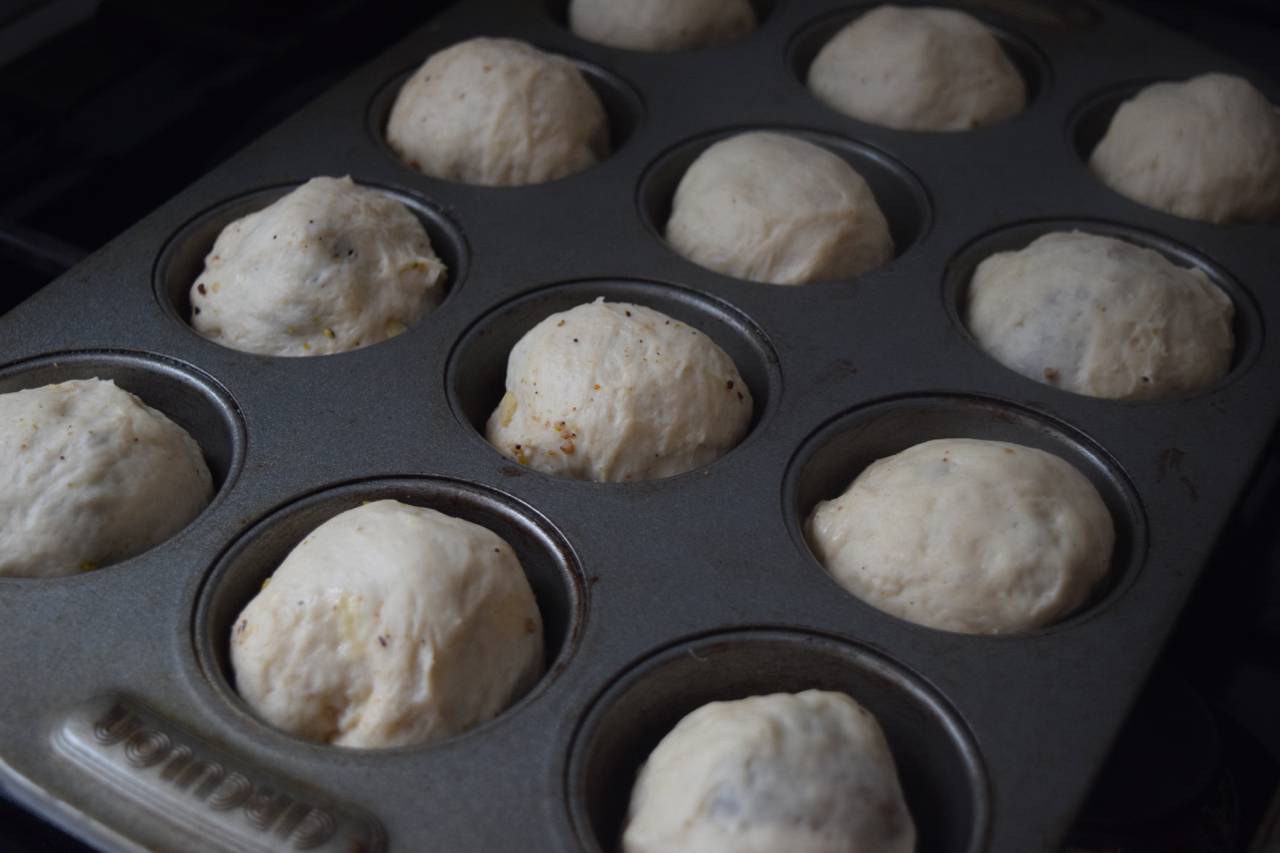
column 89, row 476
column 389, row 625
column 918, row 69
column 613, row 391
column 661, row 25
column 773, row 208
column 330, row 267
column 1207, row 149
column 808, row 772
column 498, row 112
column 980, row 537
column 1098, row 316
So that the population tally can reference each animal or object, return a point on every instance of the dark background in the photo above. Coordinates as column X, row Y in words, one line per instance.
column 106, row 121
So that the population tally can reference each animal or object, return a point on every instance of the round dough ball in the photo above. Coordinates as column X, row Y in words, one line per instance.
column 787, row 773
column 918, row 69
column 330, row 267
column 498, row 112
column 661, row 25
column 389, row 625
column 1099, row 316
column 613, row 391
column 981, row 537
column 91, row 476
column 1206, row 149
column 773, row 208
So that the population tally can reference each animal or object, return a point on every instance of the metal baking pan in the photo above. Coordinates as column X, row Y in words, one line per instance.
column 118, row 720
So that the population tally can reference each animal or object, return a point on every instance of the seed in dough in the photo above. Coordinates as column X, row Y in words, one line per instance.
column 809, row 772
column 773, row 208
column 918, row 69
column 661, row 25
column 498, row 112
column 90, row 475
column 980, row 537
column 612, row 392
column 1206, row 149
column 1099, row 316
column 330, row 267
column 389, row 625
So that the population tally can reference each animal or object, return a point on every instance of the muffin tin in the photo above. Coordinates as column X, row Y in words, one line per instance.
column 118, row 718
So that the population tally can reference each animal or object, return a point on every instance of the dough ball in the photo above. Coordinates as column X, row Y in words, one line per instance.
column 787, row 773
column 661, row 25
column 982, row 537
column 498, row 112
column 1102, row 317
column 90, row 475
column 389, row 625
column 1206, row 149
column 918, row 69
column 613, row 391
column 330, row 267
column 773, row 208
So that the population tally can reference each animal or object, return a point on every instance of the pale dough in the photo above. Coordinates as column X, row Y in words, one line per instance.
column 808, row 772
column 661, row 25
column 773, row 208
column 498, row 112
column 918, row 69
column 1206, row 149
column 981, row 537
column 389, row 625
column 90, row 475
column 613, row 391
column 1099, row 316
column 330, row 267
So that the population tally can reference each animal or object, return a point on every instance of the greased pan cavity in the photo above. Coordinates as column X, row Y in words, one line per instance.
column 117, row 718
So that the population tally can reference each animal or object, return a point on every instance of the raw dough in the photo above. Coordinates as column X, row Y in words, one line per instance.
column 91, row 476
column 808, row 772
column 330, row 267
column 661, row 25
column 982, row 537
column 613, row 391
column 498, row 112
column 1099, row 316
column 1206, row 149
column 773, row 208
column 389, row 625
column 918, row 69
